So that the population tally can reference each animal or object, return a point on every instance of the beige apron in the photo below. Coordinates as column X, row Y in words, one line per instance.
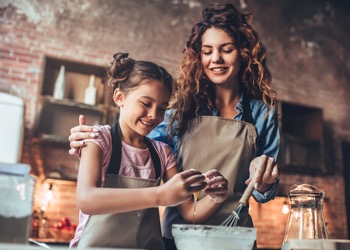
column 226, row 145
column 135, row 229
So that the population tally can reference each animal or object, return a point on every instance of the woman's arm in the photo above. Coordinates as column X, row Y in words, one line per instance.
column 92, row 199
column 265, row 164
column 80, row 133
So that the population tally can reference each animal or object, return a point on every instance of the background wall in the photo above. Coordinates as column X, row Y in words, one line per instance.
column 307, row 41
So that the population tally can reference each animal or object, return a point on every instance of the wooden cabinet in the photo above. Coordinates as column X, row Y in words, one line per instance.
column 55, row 117
column 302, row 140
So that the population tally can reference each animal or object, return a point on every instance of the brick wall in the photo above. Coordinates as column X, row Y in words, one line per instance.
column 308, row 64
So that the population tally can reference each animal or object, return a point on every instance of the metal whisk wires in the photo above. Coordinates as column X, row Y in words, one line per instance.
column 232, row 220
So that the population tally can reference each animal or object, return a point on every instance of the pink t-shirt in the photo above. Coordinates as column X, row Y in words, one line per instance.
column 135, row 162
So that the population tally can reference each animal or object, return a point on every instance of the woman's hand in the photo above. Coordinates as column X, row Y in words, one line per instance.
column 180, row 187
column 217, row 186
column 79, row 133
column 265, row 171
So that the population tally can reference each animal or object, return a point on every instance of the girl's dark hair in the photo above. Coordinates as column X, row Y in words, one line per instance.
column 195, row 92
column 126, row 73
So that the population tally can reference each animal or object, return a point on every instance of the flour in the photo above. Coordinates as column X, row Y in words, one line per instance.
column 16, row 195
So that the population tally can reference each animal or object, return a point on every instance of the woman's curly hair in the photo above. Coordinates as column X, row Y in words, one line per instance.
column 195, row 92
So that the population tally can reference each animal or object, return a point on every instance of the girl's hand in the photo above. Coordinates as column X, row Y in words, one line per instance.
column 79, row 133
column 217, row 186
column 266, row 172
column 180, row 187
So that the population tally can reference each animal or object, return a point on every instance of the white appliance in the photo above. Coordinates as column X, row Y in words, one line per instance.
column 11, row 127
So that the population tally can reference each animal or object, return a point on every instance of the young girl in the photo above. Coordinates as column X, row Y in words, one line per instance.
column 119, row 199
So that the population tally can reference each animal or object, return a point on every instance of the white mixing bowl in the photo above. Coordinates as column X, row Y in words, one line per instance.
column 204, row 237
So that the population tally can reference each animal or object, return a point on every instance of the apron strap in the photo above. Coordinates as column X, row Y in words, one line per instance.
column 114, row 163
column 247, row 113
column 116, row 157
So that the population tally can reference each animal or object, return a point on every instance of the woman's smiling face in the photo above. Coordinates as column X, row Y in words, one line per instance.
column 220, row 57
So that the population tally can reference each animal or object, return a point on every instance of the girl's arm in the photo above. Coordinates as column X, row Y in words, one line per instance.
column 92, row 199
column 216, row 193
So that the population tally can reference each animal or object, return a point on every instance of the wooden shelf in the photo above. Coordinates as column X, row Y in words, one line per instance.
column 71, row 103
column 55, row 117
column 77, row 76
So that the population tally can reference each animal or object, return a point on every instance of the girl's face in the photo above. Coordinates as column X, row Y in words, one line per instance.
column 220, row 57
column 143, row 108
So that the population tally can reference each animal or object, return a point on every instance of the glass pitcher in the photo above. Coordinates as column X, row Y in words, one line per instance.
column 306, row 219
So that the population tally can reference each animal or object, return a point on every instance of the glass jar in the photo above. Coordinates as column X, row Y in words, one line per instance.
column 16, row 200
column 306, row 219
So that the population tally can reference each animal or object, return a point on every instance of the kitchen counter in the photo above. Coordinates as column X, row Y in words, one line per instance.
column 317, row 244
column 330, row 244
column 5, row 246
column 50, row 241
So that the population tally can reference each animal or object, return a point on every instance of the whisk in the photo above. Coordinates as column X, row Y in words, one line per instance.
column 233, row 219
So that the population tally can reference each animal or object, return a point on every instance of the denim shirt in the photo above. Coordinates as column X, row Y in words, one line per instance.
column 266, row 127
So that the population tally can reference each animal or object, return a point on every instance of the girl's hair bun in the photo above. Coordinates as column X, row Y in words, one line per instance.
column 119, row 68
column 122, row 58
column 122, row 64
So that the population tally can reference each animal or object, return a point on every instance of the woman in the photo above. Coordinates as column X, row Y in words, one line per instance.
column 223, row 114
